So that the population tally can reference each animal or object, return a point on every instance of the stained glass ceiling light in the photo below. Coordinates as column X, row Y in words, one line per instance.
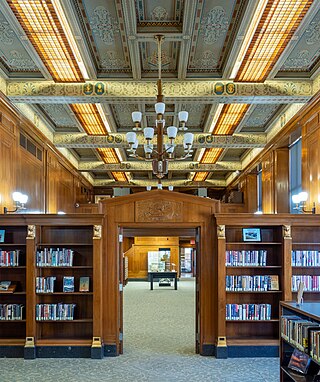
column 89, row 118
column 277, row 25
column 43, row 28
column 229, row 118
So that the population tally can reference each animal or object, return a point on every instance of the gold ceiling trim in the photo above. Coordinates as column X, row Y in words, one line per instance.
column 274, row 91
column 277, row 25
column 41, row 24
column 98, row 166
column 154, row 183
column 237, row 140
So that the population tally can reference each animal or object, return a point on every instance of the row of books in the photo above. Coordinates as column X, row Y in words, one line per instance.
column 55, row 257
column 303, row 334
column 248, row 312
column 305, row 258
column 11, row 311
column 55, row 312
column 246, row 258
column 311, row 283
column 46, row 284
column 9, row 258
column 252, row 283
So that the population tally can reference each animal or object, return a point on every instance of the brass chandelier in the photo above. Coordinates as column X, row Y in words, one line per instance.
column 165, row 146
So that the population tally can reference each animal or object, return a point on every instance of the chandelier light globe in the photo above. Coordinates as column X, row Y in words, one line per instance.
column 136, row 116
column 188, row 139
column 172, row 132
column 148, row 133
column 160, row 107
column 183, row 116
column 131, row 137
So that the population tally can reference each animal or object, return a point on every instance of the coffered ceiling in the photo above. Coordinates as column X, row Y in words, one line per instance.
column 241, row 68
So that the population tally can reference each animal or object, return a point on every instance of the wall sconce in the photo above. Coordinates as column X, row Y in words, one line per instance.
column 300, row 203
column 19, row 201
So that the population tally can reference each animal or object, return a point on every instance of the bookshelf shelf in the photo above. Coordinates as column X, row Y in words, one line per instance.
column 10, row 321
column 254, row 267
column 255, row 321
column 66, row 267
column 60, row 244
column 254, row 291
column 65, row 294
column 84, row 320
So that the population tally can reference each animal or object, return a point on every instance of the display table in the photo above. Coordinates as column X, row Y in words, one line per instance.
column 163, row 275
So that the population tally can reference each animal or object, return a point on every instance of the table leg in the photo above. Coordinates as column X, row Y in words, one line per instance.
column 151, row 282
column 176, row 283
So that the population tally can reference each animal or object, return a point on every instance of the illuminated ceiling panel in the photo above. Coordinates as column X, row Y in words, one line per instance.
column 200, row 176
column 119, row 176
column 278, row 23
column 41, row 24
column 89, row 118
column 211, row 155
column 230, row 117
column 108, row 155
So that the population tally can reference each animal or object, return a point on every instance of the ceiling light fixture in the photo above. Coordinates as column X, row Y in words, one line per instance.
column 165, row 147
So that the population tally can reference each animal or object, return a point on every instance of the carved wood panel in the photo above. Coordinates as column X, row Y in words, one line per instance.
column 158, row 211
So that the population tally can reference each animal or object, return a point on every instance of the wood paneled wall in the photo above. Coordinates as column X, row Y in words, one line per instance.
column 311, row 158
column 49, row 180
column 138, row 257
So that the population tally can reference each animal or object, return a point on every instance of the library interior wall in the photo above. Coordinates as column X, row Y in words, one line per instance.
column 51, row 182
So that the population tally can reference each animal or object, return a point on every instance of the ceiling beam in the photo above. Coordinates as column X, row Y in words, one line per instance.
column 82, row 140
column 164, row 182
column 99, row 166
column 187, row 91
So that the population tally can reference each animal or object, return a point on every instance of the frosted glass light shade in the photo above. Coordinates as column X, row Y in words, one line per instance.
column 170, row 188
column 16, row 196
column 135, row 145
column 172, row 132
column 188, row 138
column 136, row 116
column 131, row 137
column 303, row 196
column 148, row 132
column 148, row 148
column 159, row 186
column 183, row 116
column 295, row 199
column 169, row 148
column 160, row 107
column 23, row 198
column 148, row 188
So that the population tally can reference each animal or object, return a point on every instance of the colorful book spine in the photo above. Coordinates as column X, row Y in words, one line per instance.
column 248, row 312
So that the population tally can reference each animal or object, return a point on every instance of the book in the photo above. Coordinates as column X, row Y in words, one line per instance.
column 84, row 284
column 299, row 361
column 273, row 282
column 68, row 284
column 4, row 285
column 2, row 232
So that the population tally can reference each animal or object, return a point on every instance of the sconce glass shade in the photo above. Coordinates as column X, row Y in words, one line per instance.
column 16, row 196
column 295, row 199
column 303, row 196
column 160, row 107
column 183, row 116
column 23, row 199
column 188, row 139
column 159, row 186
column 172, row 132
column 148, row 132
column 170, row 188
column 136, row 116
column 131, row 137
column 148, row 188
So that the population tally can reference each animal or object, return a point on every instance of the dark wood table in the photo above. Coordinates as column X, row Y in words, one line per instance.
column 163, row 275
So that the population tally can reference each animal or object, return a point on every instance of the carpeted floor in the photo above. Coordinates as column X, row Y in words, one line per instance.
column 159, row 342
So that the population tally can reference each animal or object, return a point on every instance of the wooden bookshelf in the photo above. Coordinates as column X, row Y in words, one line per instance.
column 80, row 234
column 309, row 311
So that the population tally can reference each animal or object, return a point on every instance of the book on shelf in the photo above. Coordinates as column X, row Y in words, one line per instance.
column 54, row 257
column 246, row 258
column 311, row 283
column 84, row 284
column 11, row 312
column 273, row 282
column 2, row 233
column 305, row 258
column 7, row 287
column 299, row 361
column 9, row 258
column 54, row 312
column 248, row 312
column 45, row 284
column 68, row 284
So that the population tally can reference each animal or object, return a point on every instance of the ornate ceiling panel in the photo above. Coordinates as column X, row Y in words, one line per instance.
column 13, row 56
column 103, row 25
column 305, row 56
column 203, row 40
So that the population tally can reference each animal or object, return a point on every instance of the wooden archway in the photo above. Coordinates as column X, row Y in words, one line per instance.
column 163, row 210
